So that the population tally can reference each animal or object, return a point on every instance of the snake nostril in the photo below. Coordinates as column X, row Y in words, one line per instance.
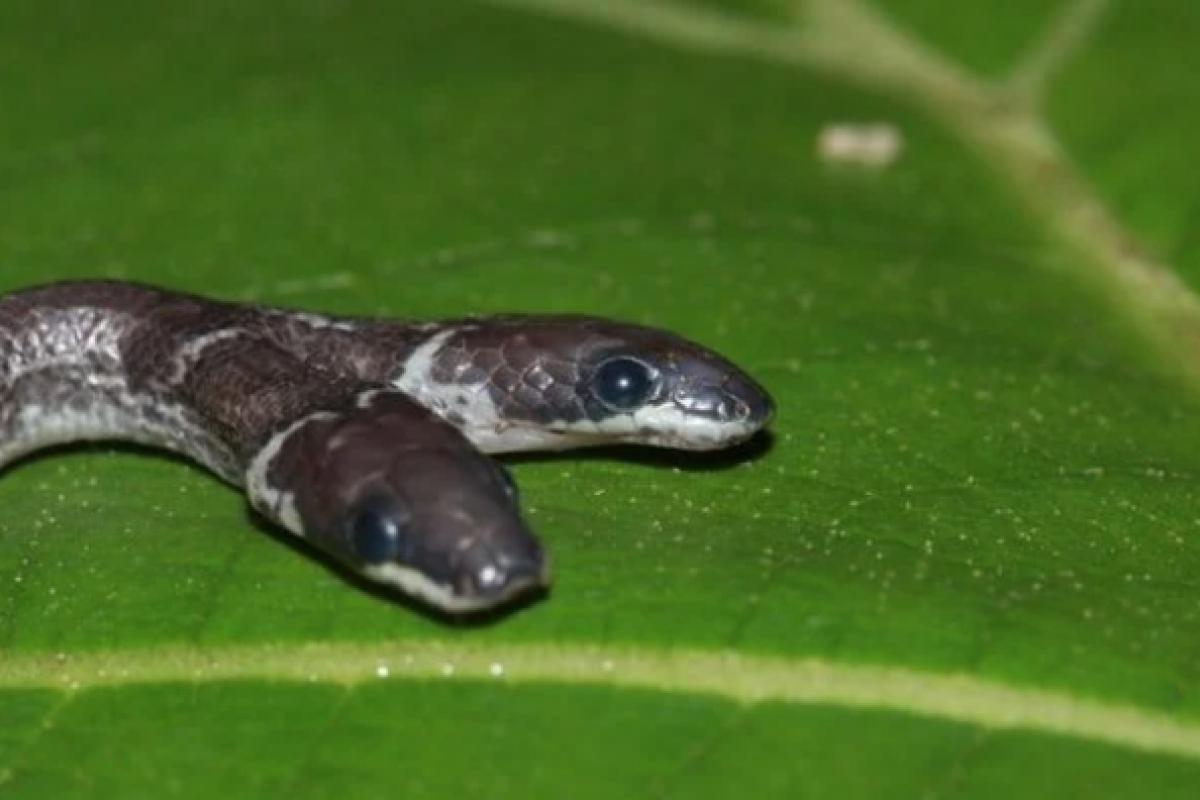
column 489, row 578
column 723, row 404
column 750, row 402
column 492, row 572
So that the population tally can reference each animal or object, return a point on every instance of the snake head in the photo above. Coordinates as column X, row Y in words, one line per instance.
column 525, row 383
column 404, row 500
column 443, row 531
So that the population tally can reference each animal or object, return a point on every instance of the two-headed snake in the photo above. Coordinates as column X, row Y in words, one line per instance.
column 365, row 437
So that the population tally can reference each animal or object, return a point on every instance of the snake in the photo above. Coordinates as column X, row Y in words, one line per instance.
column 370, row 439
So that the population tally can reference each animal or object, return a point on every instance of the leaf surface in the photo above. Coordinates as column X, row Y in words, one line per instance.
column 963, row 565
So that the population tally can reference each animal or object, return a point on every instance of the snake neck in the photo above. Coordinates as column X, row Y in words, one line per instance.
column 112, row 361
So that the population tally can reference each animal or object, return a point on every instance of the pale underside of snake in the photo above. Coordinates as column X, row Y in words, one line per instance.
column 364, row 437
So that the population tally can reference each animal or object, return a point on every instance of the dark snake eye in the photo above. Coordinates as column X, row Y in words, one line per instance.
column 623, row 383
column 377, row 533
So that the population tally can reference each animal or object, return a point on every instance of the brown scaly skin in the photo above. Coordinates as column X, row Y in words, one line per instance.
column 316, row 415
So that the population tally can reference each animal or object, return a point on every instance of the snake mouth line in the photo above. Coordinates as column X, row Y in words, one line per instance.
column 663, row 427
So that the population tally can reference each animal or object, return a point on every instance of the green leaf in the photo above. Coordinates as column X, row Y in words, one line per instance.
column 962, row 566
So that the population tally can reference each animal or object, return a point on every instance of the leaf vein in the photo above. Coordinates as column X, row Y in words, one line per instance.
column 982, row 702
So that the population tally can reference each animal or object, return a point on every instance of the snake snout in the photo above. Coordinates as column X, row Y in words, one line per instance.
column 736, row 399
column 757, row 405
column 499, row 570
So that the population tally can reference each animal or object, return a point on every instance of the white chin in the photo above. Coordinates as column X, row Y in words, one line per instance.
column 694, row 436
column 415, row 584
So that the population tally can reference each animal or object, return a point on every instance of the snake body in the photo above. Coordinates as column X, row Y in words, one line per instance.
column 364, row 437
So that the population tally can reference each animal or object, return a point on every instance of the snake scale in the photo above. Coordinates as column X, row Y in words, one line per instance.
column 364, row 437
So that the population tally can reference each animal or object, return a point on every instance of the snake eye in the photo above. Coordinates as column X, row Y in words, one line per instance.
column 623, row 383
column 377, row 533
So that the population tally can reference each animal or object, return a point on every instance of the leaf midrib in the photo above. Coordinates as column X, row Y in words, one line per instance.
column 732, row 676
